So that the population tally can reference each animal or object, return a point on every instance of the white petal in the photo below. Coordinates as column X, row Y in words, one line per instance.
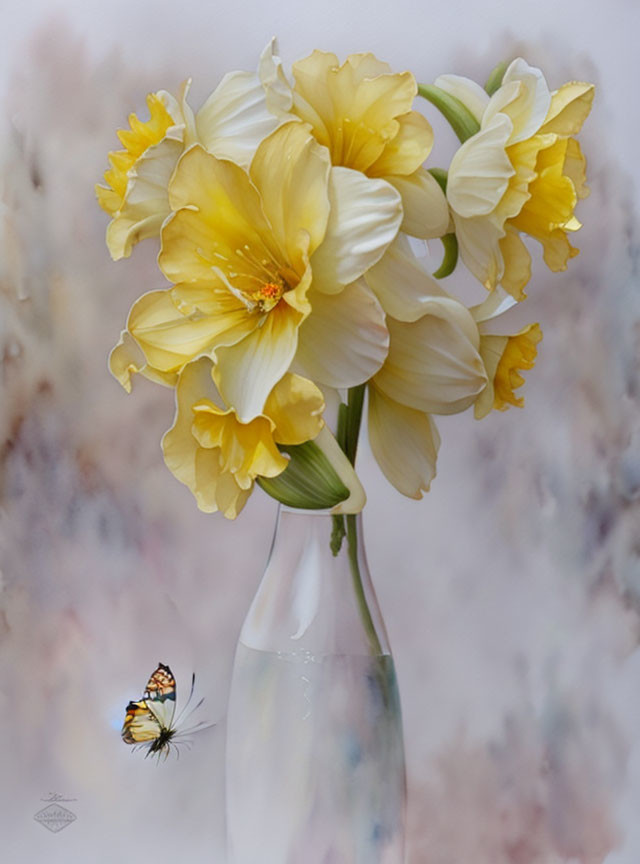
column 479, row 245
column 344, row 340
column 424, row 204
column 497, row 303
column 278, row 92
column 146, row 203
column 527, row 104
column 433, row 363
column 480, row 170
column 365, row 217
column 467, row 91
column 401, row 283
column 405, row 443
column 235, row 118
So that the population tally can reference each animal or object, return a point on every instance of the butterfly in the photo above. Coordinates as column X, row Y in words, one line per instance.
column 150, row 723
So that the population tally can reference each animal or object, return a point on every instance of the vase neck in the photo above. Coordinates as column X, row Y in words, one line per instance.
column 312, row 600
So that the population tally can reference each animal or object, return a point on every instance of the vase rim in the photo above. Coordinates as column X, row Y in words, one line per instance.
column 327, row 511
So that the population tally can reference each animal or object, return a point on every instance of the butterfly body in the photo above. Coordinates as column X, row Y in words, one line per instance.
column 149, row 722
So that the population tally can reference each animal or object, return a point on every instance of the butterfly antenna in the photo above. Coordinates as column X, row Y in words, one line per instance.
column 186, row 705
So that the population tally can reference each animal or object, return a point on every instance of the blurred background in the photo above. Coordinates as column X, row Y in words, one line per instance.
column 511, row 592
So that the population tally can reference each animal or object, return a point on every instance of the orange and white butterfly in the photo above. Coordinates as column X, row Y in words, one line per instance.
column 150, row 722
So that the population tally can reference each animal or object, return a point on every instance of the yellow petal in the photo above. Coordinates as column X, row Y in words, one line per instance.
column 425, row 212
column 404, row 442
column 524, row 159
column 407, row 150
column 517, row 264
column 291, row 172
column 570, row 107
column 170, row 338
column 491, row 350
column 140, row 136
column 127, row 359
column 220, row 224
column 557, row 251
column 433, row 364
column 351, row 108
column 295, row 405
column 519, row 354
column 575, row 168
column 552, row 195
column 247, row 450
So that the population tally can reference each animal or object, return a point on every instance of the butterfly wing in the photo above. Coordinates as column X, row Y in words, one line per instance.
column 140, row 724
column 160, row 696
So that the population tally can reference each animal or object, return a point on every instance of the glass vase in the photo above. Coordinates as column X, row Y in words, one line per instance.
column 315, row 756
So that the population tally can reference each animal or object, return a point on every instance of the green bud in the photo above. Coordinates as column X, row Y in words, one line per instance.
column 309, row 482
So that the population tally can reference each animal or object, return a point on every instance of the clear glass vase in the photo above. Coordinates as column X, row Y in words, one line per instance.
column 315, row 756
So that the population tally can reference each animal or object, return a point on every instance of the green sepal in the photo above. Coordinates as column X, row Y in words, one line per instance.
column 441, row 176
column 450, row 243
column 309, row 482
column 461, row 120
column 494, row 81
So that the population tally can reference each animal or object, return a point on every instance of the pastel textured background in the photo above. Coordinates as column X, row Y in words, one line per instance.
column 511, row 592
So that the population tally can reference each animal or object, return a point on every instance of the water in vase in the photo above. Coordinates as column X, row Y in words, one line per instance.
column 326, row 729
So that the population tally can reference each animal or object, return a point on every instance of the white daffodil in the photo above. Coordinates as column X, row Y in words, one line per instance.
column 433, row 367
column 522, row 172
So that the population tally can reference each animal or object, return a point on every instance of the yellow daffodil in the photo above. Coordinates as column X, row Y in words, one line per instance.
column 523, row 172
column 241, row 111
column 218, row 456
column 362, row 113
column 504, row 356
column 243, row 249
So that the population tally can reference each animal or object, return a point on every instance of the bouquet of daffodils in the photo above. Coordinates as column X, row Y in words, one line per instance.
column 292, row 214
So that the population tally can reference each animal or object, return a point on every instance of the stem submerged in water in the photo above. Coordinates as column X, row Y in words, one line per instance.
column 349, row 422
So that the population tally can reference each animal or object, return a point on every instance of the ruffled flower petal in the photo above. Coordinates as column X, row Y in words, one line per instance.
column 480, row 170
column 524, row 97
column 570, row 107
column 404, row 442
column 352, row 108
column 505, row 357
column 407, row 150
column 295, row 405
column 365, row 217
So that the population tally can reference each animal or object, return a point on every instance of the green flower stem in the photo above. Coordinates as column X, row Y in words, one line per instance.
column 450, row 243
column 365, row 614
column 353, row 421
column 461, row 120
column 494, row 80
